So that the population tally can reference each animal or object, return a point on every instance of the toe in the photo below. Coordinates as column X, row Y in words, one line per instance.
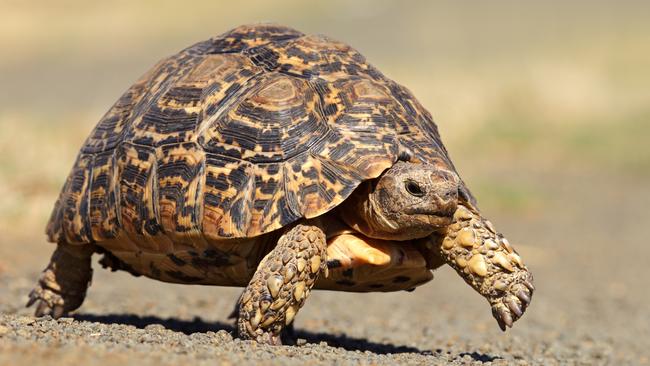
column 503, row 316
column 514, row 307
column 497, row 316
column 42, row 309
column 58, row 311
column 524, row 297
column 32, row 299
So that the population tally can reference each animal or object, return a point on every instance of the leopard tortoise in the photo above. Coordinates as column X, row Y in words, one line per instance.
column 280, row 162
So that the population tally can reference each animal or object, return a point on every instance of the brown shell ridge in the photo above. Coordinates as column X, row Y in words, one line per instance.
column 75, row 228
column 251, row 35
column 226, row 103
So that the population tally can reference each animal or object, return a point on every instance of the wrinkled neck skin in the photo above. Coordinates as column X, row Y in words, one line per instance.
column 362, row 212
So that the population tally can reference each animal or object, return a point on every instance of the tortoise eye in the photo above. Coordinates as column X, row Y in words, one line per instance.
column 413, row 188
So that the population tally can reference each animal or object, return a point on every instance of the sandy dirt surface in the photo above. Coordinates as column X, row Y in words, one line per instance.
column 589, row 261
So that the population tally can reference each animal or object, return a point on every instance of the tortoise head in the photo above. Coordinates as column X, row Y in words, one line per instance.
column 408, row 201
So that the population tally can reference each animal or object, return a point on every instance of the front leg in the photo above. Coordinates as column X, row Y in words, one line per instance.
column 281, row 284
column 487, row 262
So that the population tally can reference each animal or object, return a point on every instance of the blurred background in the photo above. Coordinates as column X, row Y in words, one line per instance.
column 544, row 107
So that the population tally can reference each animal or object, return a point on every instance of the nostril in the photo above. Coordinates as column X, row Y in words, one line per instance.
column 449, row 194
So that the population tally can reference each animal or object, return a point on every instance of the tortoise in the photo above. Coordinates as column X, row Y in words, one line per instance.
column 279, row 162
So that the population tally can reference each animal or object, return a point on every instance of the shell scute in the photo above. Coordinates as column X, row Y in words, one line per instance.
column 180, row 181
column 103, row 199
column 251, row 35
column 136, row 191
column 74, row 202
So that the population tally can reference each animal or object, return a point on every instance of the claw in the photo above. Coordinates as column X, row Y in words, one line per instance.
column 235, row 312
column 514, row 307
column 57, row 312
column 507, row 318
column 529, row 284
column 497, row 315
column 503, row 317
column 524, row 297
column 42, row 309
column 32, row 300
column 502, row 325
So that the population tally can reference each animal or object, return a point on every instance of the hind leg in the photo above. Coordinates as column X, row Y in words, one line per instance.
column 62, row 286
column 281, row 284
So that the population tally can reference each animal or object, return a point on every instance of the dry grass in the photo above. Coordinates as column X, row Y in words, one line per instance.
column 516, row 87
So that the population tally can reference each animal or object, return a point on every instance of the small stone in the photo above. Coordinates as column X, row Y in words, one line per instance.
column 223, row 336
column 3, row 330
column 156, row 328
column 477, row 265
column 301, row 342
column 25, row 320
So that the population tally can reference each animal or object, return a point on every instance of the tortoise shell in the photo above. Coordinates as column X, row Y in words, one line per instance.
column 238, row 136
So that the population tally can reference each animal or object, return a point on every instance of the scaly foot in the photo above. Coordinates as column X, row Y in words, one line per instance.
column 62, row 286
column 487, row 262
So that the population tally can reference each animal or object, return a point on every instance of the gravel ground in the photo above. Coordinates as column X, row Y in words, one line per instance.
column 589, row 261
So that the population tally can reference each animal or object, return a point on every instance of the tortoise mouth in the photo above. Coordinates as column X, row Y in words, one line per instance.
column 435, row 220
column 439, row 217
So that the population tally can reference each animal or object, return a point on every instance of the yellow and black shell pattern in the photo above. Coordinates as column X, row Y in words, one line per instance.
column 238, row 136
